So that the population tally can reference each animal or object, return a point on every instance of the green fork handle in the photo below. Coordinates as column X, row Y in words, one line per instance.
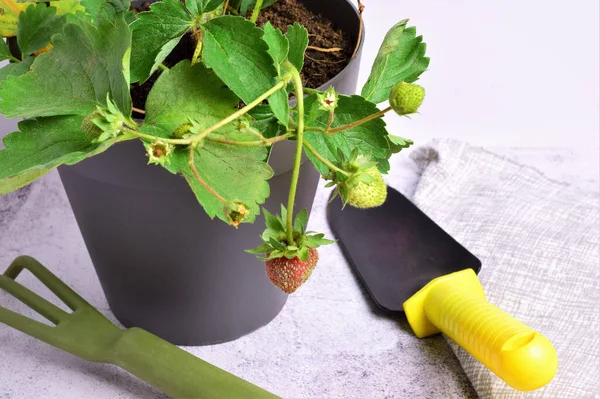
column 179, row 374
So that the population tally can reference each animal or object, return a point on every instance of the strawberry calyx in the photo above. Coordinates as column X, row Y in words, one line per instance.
column 275, row 244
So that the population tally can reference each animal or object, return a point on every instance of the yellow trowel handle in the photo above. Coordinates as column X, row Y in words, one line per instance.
column 455, row 304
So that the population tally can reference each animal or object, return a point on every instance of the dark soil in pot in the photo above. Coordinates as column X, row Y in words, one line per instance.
column 163, row 264
column 330, row 48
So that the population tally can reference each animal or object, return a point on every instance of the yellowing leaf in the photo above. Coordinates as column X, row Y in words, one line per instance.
column 10, row 10
column 9, row 16
column 67, row 6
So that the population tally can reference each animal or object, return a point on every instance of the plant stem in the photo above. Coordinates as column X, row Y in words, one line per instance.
column 225, row 7
column 330, row 121
column 12, row 58
column 141, row 135
column 163, row 67
column 232, row 10
column 256, row 133
column 256, row 11
column 299, row 145
column 323, row 160
column 359, row 122
column 266, row 142
column 200, row 179
column 198, row 50
column 308, row 90
column 139, row 111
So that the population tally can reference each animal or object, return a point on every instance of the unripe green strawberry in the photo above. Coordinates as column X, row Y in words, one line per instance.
column 89, row 127
column 182, row 130
column 290, row 274
column 406, row 98
column 368, row 195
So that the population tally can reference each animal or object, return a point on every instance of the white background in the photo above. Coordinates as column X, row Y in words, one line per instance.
column 503, row 72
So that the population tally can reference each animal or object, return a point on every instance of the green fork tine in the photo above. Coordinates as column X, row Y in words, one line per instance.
column 60, row 289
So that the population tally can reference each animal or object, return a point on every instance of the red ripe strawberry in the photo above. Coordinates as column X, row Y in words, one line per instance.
column 290, row 274
column 289, row 264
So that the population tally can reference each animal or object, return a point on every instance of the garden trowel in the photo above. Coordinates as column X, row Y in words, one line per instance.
column 408, row 263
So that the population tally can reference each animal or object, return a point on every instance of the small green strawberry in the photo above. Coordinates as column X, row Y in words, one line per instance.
column 187, row 129
column 361, row 185
column 368, row 193
column 289, row 265
column 406, row 98
column 89, row 127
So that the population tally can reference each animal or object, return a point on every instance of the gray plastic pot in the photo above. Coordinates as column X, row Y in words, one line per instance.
column 164, row 265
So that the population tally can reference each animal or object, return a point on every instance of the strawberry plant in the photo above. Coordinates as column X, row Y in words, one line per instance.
column 211, row 119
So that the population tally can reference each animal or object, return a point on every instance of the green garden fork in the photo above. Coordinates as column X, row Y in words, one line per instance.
column 86, row 333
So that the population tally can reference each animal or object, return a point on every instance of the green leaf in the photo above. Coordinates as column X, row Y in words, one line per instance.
column 234, row 172
column 278, row 44
column 301, row 220
column 199, row 7
column 398, row 143
column 16, row 68
column 188, row 92
column 277, row 245
column 234, row 49
column 41, row 145
column 272, row 222
column 400, row 58
column 304, row 254
column 36, row 26
column 155, row 35
column 283, row 214
column 265, row 122
column 368, row 139
column 237, row 173
column 278, row 49
column 4, row 51
column 261, row 249
column 101, row 11
column 84, row 66
column 297, row 36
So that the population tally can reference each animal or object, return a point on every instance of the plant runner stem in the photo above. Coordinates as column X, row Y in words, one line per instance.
column 225, row 7
column 255, row 143
column 359, row 122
